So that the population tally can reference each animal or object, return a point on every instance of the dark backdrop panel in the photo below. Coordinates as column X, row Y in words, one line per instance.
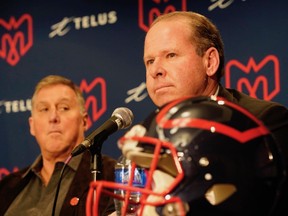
column 99, row 45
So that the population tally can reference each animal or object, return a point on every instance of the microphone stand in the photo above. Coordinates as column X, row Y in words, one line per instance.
column 96, row 159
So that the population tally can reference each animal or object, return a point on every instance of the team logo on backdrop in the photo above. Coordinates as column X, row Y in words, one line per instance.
column 259, row 80
column 151, row 9
column 16, row 38
column 96, row 98
column 4, row 171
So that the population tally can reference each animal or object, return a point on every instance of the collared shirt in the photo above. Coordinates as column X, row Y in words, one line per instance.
column 217, row 91
column 36, row 198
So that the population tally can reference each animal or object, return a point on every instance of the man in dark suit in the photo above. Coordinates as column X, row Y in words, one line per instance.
column 58, row 122
column 184, row 57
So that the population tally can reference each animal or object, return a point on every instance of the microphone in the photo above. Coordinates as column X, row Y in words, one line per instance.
column 121, row 118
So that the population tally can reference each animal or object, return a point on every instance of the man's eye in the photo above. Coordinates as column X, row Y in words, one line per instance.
column 63, row 108
column 149, row 62
column 43, row 109
column 171, row 55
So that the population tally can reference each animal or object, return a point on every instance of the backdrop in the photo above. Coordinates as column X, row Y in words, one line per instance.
column 99, row 45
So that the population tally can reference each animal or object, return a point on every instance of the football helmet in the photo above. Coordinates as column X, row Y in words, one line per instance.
column 203, row 155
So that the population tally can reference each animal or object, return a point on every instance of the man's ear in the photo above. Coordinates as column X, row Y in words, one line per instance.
column 85, row 121
column 32, row 131
column 212, row 61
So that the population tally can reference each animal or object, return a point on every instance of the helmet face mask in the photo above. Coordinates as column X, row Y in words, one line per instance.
column 205, row 155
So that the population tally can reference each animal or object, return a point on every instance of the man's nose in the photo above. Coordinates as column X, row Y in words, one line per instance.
column 53, row 115
column 158, row 69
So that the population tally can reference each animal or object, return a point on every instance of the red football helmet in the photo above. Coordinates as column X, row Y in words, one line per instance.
column 204, row 155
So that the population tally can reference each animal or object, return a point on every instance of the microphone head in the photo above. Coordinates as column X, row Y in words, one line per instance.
column 125, row 115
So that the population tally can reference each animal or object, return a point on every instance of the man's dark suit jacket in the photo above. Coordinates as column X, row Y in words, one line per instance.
column 275, row 117
column 12, row 185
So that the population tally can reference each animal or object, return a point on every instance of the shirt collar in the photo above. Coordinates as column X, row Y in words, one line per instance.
column 37, row 164
column 217, row 92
